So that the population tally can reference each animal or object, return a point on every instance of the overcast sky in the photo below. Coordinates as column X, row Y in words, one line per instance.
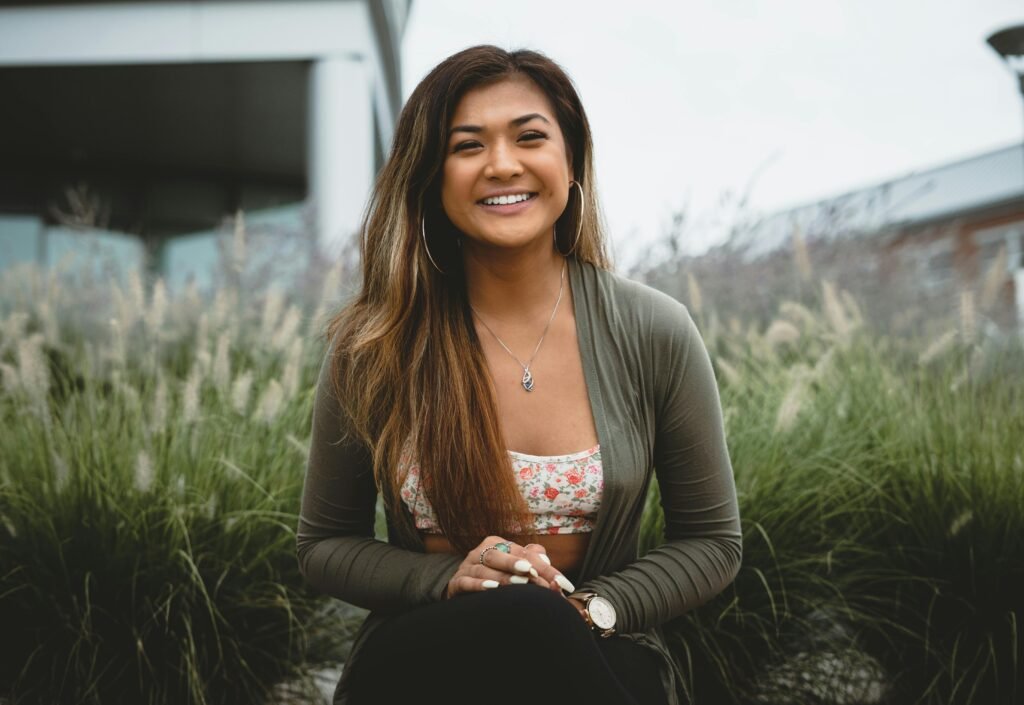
column 788, row 100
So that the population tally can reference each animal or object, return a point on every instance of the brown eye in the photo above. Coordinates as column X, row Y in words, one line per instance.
column 465, row 145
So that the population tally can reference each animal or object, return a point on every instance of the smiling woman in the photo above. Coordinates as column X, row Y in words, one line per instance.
column 512, row 399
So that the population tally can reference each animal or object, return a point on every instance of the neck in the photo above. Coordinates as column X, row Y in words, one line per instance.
column 513, row 286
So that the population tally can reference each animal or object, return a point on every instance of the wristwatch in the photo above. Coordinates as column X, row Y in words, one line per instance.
column 598, row 612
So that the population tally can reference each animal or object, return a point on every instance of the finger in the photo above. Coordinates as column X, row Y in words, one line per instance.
column 485, row 573
column 465, row 584
column 537, row 565
column 539, row 551
column 509, row 562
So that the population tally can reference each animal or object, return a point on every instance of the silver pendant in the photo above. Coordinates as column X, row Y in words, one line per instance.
column 527, row 380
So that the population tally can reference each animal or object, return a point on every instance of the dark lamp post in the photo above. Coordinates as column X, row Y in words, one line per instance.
column 1009, row 44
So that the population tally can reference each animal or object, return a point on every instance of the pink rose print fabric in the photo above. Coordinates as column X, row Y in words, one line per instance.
column 563, row 491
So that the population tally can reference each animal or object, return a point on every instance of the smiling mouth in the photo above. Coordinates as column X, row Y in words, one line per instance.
column 507, row 200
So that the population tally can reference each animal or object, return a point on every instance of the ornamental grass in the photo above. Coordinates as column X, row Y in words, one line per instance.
column 153, row 443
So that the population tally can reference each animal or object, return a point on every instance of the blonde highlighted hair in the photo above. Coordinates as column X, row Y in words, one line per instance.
column 408, row 368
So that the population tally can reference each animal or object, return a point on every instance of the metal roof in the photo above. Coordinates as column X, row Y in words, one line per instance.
column 976, row 183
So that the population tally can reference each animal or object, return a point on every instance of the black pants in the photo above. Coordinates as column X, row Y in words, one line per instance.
column 513, row 644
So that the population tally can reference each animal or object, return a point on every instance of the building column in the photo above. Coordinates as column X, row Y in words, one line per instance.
column 341, row 168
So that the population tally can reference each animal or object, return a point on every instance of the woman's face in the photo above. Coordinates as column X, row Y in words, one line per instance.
column 504, row 140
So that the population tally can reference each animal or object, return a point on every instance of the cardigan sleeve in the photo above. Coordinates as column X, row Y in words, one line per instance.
column 337, row 551
column 702, row 550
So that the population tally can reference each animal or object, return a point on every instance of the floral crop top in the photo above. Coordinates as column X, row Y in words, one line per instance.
column 562, row 491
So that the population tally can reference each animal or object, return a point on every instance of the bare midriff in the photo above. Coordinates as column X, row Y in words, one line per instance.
column 566, row 551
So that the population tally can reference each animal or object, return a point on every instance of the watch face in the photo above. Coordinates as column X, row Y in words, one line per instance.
column 602, row 612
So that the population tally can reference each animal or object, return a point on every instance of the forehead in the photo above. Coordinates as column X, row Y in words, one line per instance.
column 496, row 103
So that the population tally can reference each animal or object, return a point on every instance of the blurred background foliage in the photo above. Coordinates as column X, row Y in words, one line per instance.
column 153, row 443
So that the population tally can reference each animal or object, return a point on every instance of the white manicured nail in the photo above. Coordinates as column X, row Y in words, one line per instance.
column 564, row 583
column 488, row 584
column 523, row 566
column 545, row 558
column 519, row 580
column 534, row 573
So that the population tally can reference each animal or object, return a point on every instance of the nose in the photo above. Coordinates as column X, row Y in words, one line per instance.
column 502, row 164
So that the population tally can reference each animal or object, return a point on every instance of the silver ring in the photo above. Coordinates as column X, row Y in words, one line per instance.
column 503, row 547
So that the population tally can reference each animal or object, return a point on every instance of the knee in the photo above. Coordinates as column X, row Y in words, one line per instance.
column 532, row 608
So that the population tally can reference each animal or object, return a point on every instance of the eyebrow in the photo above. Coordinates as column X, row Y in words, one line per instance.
column 522, row 120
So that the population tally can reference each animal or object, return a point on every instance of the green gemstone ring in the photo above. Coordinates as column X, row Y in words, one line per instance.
column 502, row 547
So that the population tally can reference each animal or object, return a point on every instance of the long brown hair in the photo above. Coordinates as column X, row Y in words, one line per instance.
column 408, row 367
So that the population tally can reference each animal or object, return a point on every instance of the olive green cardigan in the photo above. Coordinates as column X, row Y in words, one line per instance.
column 656, row 408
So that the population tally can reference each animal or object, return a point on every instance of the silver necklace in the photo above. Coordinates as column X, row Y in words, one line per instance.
column 527, row 380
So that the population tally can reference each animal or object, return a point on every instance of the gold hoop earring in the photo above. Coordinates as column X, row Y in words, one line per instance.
column 423, row 232
column 579, row 224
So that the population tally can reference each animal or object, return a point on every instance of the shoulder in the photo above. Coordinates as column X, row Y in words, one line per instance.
column 639, row 311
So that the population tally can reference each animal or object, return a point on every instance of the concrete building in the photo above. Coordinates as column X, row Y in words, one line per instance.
column 134, row 129
column 941, row 230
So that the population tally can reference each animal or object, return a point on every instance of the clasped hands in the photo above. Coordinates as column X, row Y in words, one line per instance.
column 521, row 565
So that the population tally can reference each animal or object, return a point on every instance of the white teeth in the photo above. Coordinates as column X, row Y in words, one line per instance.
column 505, row 200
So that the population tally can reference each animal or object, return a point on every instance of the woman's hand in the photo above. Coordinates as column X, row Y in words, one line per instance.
column 521, row 565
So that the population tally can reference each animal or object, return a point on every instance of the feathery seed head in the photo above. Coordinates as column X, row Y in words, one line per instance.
column 269, row 403
column 794, row 399
column 222, row 363
column 238, row 249
column 288, row 328
column 158, row 415
column 48, row 323
column 937, row 347
column 729, row 372
column 801, row 258
column 834, row 312
column 292, row 368
column 143, row 472
column 995, row 277
column 158, row 308
column 61, row 472
column 781, row 332
column 190, row 395
column 272, row 305
column 240, row 392
column 11, row 379
column 968, row 318
column 696, row 300
column 298, row 445
column 960, row 522
column 32, row 368
column 135, row 306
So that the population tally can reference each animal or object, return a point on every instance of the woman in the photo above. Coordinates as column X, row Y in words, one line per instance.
column 510, row 399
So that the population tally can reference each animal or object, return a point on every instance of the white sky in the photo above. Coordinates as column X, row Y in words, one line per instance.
column 691, row 99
